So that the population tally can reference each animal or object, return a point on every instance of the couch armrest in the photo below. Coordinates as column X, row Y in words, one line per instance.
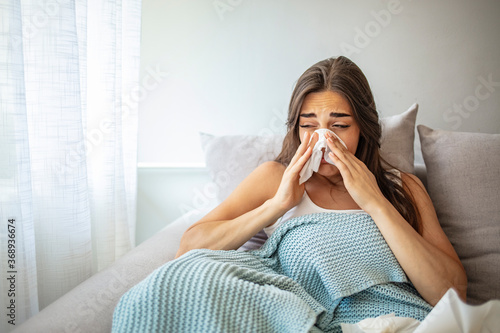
column 89, row 306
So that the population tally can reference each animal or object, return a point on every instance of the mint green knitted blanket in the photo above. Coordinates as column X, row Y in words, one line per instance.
column 314, row 272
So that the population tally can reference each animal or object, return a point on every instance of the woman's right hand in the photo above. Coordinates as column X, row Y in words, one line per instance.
column 290, row 192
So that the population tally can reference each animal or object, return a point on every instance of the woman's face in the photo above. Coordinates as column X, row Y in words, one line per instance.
column 329, row 110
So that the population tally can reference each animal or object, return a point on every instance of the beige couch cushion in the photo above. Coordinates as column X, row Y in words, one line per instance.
column 463, row 179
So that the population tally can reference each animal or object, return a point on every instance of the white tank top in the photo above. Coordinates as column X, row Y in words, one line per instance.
column 307, row 206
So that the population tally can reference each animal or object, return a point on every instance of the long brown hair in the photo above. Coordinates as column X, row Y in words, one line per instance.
column 343, row 76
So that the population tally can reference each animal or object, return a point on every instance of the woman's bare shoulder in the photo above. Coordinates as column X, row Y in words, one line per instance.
column 267, row 176
column 259, row 186
column 421, row 198
column 271, row 169
column 414, row 184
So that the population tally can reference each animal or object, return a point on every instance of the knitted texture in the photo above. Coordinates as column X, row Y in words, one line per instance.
column 314, row 272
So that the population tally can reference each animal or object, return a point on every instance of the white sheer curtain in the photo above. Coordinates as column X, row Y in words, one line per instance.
column 67, row 145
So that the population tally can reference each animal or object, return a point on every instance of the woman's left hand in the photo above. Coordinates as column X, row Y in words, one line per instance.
column 358, row 179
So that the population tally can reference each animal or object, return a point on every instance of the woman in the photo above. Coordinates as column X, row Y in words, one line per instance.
column 353, row 241
column 334, row 94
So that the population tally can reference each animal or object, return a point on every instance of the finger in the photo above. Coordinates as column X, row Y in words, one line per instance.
column 335, row 146
column 334, row 140
column 301, row 149
column 345, row 161
column 314, row 140
column 330, row 141
column 342, row 153
column 343, row 168
column 301, row 161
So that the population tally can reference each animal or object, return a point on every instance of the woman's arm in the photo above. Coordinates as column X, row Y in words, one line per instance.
column 429, row 259
column 244, row 213
column 265, row 195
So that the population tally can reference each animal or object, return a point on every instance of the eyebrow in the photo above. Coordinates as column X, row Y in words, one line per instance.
column 332, row 114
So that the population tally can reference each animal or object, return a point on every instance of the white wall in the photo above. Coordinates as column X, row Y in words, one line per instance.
column 232, row 65
column 228, row 73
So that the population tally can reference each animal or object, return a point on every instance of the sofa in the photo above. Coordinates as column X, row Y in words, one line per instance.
column 461, row 172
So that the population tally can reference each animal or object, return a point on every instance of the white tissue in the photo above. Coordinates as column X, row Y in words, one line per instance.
column 312, row 165
column 383, row 324
column 450, row 315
